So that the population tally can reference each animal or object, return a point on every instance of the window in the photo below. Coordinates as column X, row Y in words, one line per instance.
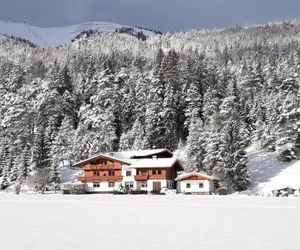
column 128, row 173
column 111, row 184
column 96, row 173
column 96, row 184
column 201, row 185
column 153, row 171
column 129, row 184
column 111, row 173
column 159, row 171
column 169, row 184
column 143, row 172
column 104, row 162
column 144, row 184
column 188, row 185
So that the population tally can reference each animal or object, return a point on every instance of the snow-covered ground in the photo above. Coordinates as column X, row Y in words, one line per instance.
column 268, row 173
column 34, row 222
column 55, row 36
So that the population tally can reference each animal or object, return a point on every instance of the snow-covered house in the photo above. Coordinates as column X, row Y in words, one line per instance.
column 143, row 170
column 196, row 183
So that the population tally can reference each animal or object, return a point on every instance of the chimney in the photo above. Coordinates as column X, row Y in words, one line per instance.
column 154, row 157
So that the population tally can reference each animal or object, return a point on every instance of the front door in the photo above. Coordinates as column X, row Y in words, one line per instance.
column 156, row 186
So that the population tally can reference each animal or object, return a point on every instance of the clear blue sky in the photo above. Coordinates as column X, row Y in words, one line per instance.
column 164, row 15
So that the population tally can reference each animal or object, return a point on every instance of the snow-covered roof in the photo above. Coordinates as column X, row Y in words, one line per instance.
column 126, row 157
column 154, row 163
column 286, row 187
column 138, row 153
column 104, row 156
column 186, row 175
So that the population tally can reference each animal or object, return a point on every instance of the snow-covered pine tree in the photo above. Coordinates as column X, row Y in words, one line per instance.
column 232, row 167
column 5, row 179
column 55, row 175
column 153, row 121
column 196, row 144
column 4, row 156
column 24, row 164
column 169, row 111
column 14, row 172
column 62, row 146
column 288, row 128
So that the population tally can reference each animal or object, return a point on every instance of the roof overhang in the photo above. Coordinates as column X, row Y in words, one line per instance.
column 101, row 156
column 188, row 176
column 156, row 163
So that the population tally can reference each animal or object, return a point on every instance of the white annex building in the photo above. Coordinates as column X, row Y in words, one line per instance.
column 196, row 183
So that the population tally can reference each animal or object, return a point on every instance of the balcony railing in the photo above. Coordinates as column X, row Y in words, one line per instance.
column 157, row 177
column 100, row 178
column 101, row 167
column 141, row 177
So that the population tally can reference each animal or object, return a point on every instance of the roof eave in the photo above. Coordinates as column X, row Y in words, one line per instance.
column 98, row 156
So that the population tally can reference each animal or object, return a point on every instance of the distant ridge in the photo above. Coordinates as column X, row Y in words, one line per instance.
column 56, row 36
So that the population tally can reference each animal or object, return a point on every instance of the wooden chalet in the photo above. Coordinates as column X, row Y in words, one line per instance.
column 144, row 170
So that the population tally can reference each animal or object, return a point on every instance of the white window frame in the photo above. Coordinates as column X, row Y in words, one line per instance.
column 96, row 184
column 129, row 184
column 110, row 183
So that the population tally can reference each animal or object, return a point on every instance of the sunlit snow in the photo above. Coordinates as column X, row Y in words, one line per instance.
column 148, row 222
column 269, row 173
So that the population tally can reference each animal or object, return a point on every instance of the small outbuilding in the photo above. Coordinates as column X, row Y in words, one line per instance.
column 196, row 183
column 284, row 192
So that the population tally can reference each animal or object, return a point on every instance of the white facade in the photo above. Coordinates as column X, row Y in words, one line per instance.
column 128, row 176
column 197, row 183
column 102, row 186
column 195, row 186
column 129, row 180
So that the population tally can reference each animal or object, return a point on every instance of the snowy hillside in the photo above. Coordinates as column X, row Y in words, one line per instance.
column 268, row 173
column 55, row 36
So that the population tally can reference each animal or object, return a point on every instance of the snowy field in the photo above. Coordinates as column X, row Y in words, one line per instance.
column 89, row 222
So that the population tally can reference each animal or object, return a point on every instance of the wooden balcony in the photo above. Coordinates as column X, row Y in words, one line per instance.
column 158, row 177
column 141, row 177
column 101, row 167
column 100, row 178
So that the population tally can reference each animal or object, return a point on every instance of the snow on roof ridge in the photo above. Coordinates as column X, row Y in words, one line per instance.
column 182, row 176
column 119, row 155
column 129, row 154
column 104, row 155
column 154, row 163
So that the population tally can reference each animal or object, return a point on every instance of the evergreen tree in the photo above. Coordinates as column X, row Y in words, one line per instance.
column 24, row 164
column 196, row 145
column 5, row 179
column 232, row 168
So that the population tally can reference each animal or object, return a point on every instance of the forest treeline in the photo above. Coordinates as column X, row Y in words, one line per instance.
column 213, row 92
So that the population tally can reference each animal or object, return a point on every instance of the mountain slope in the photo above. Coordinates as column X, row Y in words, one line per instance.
column 268, row 173
column 55, row 36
